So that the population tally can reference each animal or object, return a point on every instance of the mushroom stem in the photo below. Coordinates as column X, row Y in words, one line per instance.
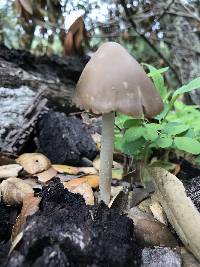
column 106, row 155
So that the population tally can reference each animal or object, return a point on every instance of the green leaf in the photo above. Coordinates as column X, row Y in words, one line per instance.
column 158, row 79
column 187, row 144
column 163, row 113
column 164, row 141
column 118, row 141
column 197, row 160
column 120, row 119
column 194, row 84
column 131, row 148
column 189, row 133
column 155, row 72
column 134, row 133
column 174, row 128
column 132, row 122
column 152, row 131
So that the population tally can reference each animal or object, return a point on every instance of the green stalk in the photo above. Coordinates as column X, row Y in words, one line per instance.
column 171, row 104
column 106, row 156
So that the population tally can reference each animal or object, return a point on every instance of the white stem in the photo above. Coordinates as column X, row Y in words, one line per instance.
column 106, row 155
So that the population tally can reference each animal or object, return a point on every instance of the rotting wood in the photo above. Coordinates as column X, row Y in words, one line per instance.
column 16, row 131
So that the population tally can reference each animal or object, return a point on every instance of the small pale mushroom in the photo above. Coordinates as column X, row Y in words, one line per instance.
column 34, row 162
column 114, row 81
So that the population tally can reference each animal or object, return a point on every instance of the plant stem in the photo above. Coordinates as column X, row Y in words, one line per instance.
column 171, row 105
column 106, row 155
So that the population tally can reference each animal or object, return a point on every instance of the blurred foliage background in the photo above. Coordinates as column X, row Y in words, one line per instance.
column 162, row 33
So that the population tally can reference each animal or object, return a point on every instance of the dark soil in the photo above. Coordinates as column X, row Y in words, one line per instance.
column 190, row 176
column 193, row 191
column 64, row 139
column 188, row 171
column 66, row 232
column 8, row 216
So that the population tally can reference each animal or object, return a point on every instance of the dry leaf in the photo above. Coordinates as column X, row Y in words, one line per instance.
column 68, row 177
column 96, row 163
column 65, row 169
column 115, row 192
column 30, row 206
column 13, row 190
column 92, row 180
column 27, row 5
column 47, row 175
column 68, row 44
column 149, row 231
column 18, row 6
column 87, row 170
column 180, row 211
column 158, row 212
column 97, row 139
column 10, row 170
column 15, row 242
column 74, row 37
column 33, row 183
column 85, row 190
column 33, row 162
column 74, row 170
column 177, row 169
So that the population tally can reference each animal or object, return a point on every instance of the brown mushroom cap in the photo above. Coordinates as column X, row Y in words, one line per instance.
column 114, row 81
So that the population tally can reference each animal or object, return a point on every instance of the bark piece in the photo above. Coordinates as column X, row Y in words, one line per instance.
column 20, row 109
column 180, row 210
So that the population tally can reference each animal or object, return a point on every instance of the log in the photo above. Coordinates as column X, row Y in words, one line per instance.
column 58, row 75
column 26, row 83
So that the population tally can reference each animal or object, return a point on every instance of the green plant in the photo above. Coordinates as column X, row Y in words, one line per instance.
column 177, row 128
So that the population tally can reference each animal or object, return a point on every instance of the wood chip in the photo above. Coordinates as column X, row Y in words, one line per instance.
column 13, row 190
column 34, row 162
column 158, row 212
column 47, row 175
column 74, row 170
column 92, row 180
column 85, row 190
column 10, row 170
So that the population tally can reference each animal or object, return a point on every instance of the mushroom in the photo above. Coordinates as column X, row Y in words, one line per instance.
column 114, row 81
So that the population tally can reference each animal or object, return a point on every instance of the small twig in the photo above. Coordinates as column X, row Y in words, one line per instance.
column 165, row 10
